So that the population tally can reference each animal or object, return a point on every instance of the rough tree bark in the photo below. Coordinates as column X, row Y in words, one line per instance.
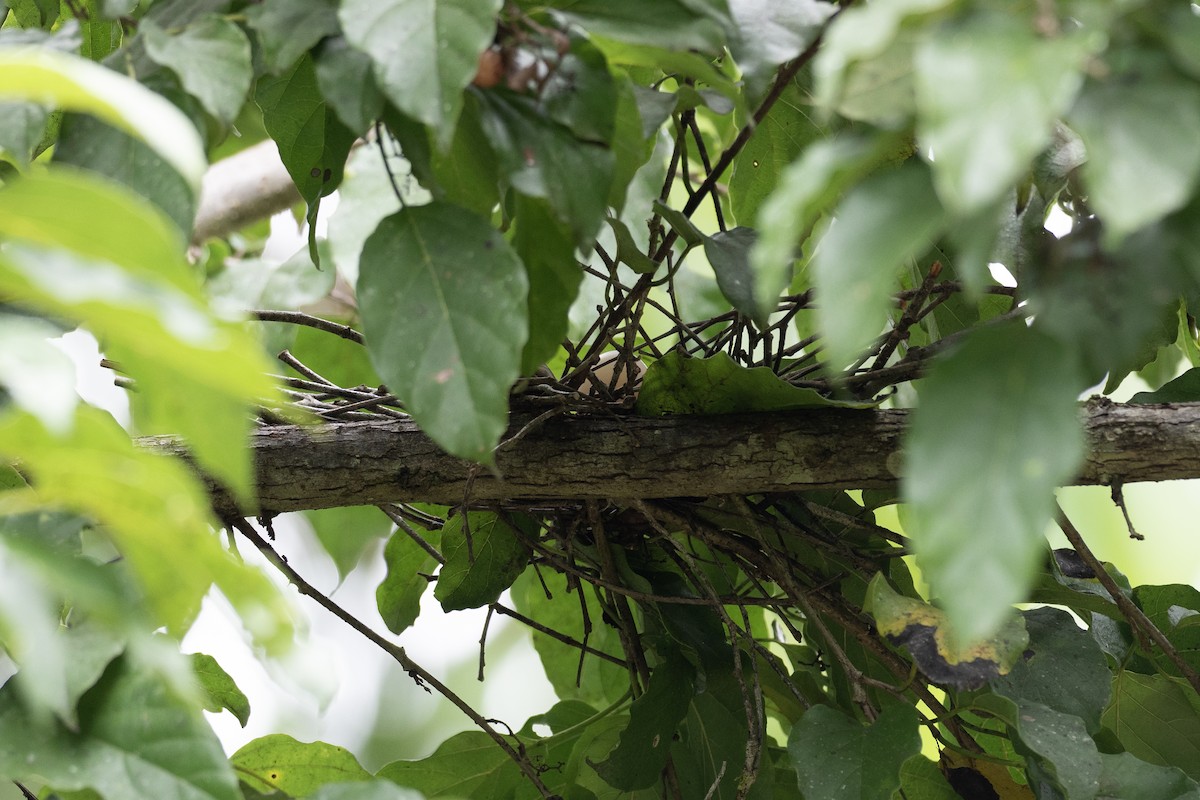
column 608, row 456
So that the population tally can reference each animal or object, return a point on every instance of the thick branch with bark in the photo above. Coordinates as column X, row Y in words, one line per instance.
column 576, row 457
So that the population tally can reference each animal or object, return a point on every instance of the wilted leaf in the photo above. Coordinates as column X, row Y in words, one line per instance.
column 996, row 431
column 279, row 762
column 443, row 298
column 923, row 629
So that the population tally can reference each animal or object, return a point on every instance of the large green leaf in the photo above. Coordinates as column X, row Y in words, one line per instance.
column 313, row 142
column 645, row 745
column 677, row 384
column 35, row 375
column 211, row 58
column 136, row 740
column 574, row 676
column 29, row 632
column 988, row 92
column 535, row 153
column 287, row 29
column 806, row 189
column 837, row 758
column 75, row 84
column 996, row 431
column 1058, row 647
column 673, row 24
column 1143, row 149
column 548, row 251
column 96, row 470
column 1126, row 777
column 789, row 128
column 347, row 82
column 1065, row 755
column 880, row 224
column 768, row 33
column 425, row 52
column 347, row 533
column 90, row 144
column 375, row 789
column 1169, row 607
column 278, row 762
column 1157, row 719
column 468, row 764
column 443, row 298
column 484, row 555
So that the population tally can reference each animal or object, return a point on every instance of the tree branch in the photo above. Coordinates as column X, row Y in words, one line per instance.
column 576, row 457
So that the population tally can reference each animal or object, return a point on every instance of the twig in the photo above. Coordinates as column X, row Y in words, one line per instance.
column 1135, row 616
column 415, row 670
column 307, row 320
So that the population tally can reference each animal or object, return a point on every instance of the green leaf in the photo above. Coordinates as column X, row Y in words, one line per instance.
column 375, row 789
column 645, row 745
column 628, row 251
column 861, row 34
column 408, row 565
column 789, row 129
column 36, row 375
column 425, row 53
column 988, row 92
column 1156, row 718
column 728, row 252
column 74, row 84
column 806, row 189
column 996, row 431
column 365, row 197
column 29, row 627
column 680, row 223
column 92, row 145
column 1066, row 755
column 1126, row 777
column 280, row 763
column 313, row 142
column 347, row 533
column 548, row 252
column 443, row 298
column 678, row 384
column 211, row 58
column 767, row 33
column 1143, row 149
column 672, row 24
column 468, row 764
column 136, row 740
column 587, row 677
column 1168, row 607
column 220, row 691
column 97, row 471
column 535, row 152
column 880, row 224
column 347, row 82
column 1058, row 647
column 22, row 126
column 287, row 29
column 484, row 555
column 1184, row 389
column 837, row 758
column 920, row 779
